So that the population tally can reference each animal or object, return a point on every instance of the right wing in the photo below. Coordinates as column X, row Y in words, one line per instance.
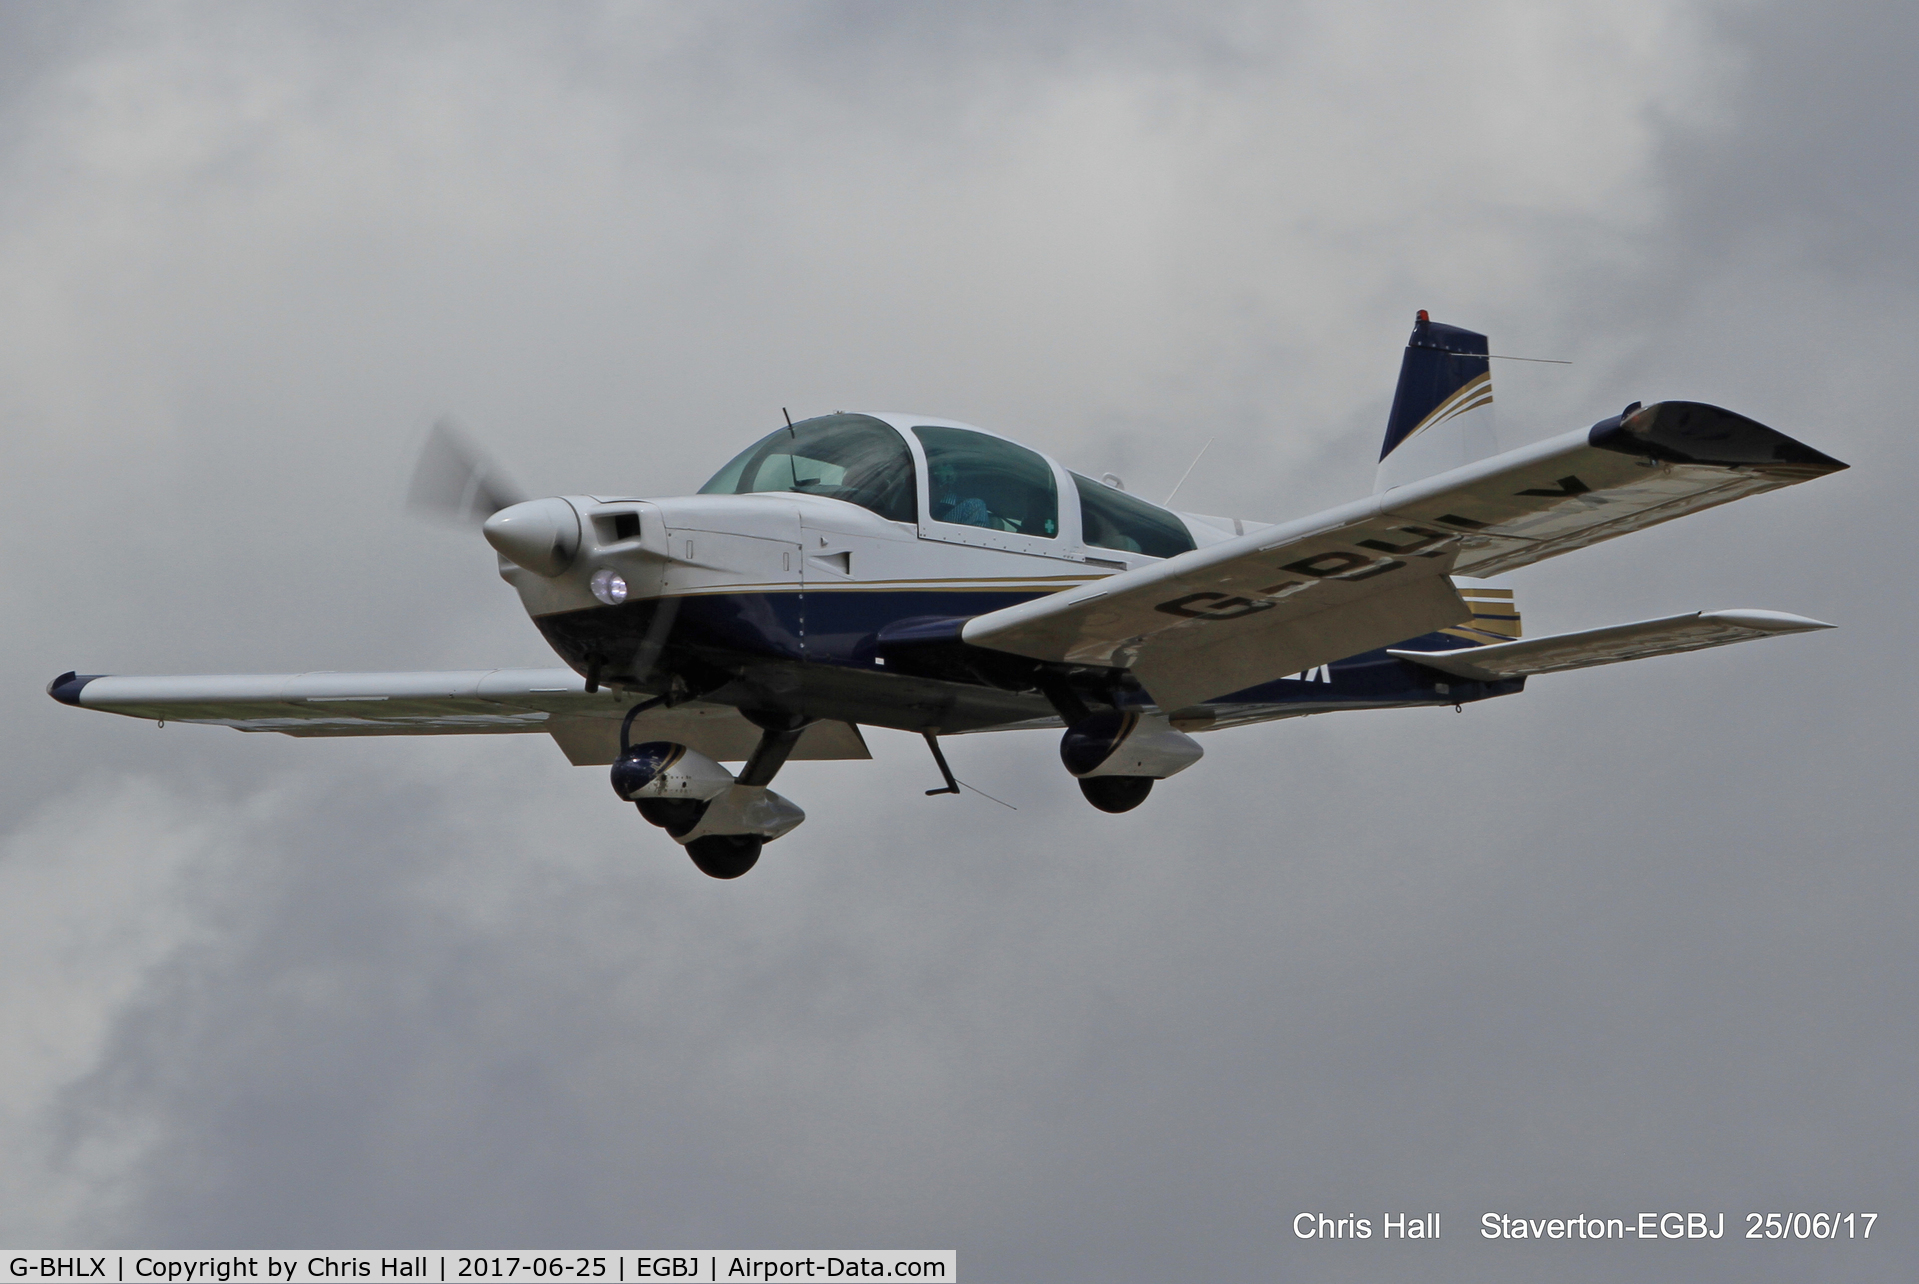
column 1289, row 597
column 461, row 702
column 1694, row 632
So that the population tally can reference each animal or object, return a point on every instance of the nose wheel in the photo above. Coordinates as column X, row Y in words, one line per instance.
column 725, row 855
column 1116, row 793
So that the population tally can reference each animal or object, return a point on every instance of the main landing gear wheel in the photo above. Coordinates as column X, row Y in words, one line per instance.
column 676, row 816
column 725, row 855
column 1116, row 793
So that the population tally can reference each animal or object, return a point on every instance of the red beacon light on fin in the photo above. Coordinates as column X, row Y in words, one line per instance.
column 1422, row 315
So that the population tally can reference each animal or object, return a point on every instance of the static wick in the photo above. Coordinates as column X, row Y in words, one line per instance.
column 988, row 797
column 1542, row 361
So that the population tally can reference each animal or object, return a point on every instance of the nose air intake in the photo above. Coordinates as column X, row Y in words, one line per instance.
column 542, row 535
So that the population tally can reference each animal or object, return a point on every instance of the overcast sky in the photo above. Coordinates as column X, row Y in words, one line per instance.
column 1639, row 939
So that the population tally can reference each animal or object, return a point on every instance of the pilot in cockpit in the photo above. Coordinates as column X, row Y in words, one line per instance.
column 950, row 506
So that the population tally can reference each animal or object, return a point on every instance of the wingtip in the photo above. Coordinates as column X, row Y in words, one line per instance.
column 67, row 687
column 1769, row 621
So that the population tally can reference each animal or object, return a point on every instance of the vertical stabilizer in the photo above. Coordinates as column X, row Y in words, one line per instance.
column 1443, row 410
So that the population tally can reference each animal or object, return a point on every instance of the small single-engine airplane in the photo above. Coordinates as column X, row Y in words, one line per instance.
column 916, row 573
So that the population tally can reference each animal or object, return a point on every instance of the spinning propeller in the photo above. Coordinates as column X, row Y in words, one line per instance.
column 455, row 481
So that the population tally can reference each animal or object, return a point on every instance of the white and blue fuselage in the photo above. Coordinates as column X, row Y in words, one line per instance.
column 783, row 586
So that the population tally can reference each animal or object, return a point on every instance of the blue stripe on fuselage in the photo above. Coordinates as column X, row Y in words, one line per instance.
column 1376, row 678
column 841, row 627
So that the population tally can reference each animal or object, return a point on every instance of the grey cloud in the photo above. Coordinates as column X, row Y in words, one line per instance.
column 1632, row 940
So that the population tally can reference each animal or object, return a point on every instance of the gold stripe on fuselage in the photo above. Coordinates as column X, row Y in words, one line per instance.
column 1008, row 585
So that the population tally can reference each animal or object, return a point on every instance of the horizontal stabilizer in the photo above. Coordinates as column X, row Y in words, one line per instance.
column 1694, row 632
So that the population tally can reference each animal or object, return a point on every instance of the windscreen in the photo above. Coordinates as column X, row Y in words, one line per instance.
column 851, row 457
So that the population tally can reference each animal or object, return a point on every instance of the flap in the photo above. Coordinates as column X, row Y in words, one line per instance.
column 717, row 731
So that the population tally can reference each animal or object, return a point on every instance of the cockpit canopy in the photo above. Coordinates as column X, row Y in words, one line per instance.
column 1111, row 518
column 974, row 479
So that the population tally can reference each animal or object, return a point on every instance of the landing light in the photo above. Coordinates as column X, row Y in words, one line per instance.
column 608, row 586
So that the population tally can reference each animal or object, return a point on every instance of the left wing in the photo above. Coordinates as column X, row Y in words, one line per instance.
column 1280, row 600
column 460, row 702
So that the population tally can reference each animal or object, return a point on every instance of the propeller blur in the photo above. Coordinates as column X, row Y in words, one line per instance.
column 455, row 481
